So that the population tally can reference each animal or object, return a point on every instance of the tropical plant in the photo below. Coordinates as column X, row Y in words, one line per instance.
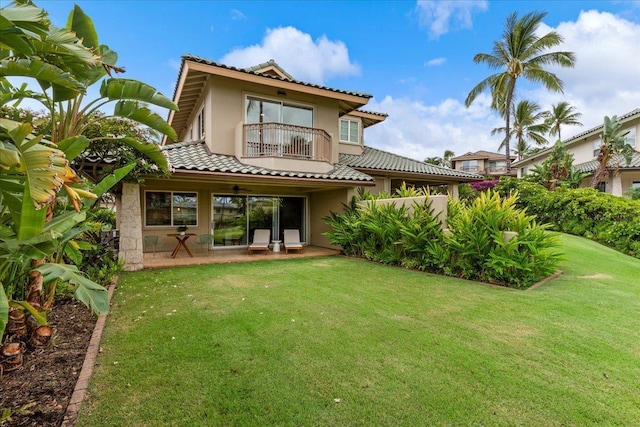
column 556, row 170
column 528, row 125
column 613, row 143
column 444, row 161
column 474, row 246
column 561, row 114
column 41, row 197
column 519, row 53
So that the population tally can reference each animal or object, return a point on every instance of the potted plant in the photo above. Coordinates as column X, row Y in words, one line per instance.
column 182, row 229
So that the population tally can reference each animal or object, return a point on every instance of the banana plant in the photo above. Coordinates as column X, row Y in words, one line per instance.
column 35, row 159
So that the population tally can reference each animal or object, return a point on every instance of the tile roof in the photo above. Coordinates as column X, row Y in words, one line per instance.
column 253, row 70
column 623, row 118
column 195, row 156
column 616, row 159
column 374, row 159
column 481, row 155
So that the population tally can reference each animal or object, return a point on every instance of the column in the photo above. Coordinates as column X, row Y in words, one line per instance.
column 131, row 228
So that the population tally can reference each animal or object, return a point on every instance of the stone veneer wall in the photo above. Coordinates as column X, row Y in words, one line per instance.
column 131, row 228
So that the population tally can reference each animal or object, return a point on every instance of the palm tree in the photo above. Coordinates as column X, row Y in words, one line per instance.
column 528, row 125
column 520, row 52
column 562, row 113
column 522, row 149
column 444, row 161
column 614, row 142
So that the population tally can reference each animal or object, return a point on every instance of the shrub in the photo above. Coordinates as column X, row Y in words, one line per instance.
column 473, row 247
column 611, row 220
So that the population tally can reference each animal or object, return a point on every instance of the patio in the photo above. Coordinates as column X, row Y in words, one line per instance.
column 224, row 256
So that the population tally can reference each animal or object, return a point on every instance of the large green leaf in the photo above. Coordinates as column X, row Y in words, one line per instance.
column 141, row 114
column 74, row 146
column 46, row 73
column 4, row 310
column 127, row 89
column 87, row 291
column 82, row 25
column 152, row 151
column 112, row 179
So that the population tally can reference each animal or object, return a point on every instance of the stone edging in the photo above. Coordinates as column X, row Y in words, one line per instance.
column 82, row 384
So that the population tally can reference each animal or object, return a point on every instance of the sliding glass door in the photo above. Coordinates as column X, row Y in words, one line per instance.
column 235, row 217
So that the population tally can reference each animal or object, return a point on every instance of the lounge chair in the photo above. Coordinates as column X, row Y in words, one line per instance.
column 292, row 241
column 260, row 240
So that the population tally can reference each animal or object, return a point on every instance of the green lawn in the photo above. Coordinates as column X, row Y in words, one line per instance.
column 277, row 343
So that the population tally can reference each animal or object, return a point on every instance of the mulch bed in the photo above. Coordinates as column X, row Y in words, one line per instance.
column 38, row 393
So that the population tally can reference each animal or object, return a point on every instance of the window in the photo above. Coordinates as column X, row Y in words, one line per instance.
column 267, row 111
column 596, row 147
column 602, row 187
column 635, row 184
column 470, row 165
column 349, row 131
column 631, row 137
column 166, row 208
column 200, row 124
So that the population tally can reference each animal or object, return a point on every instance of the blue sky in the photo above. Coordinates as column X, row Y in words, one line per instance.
column 415, row 58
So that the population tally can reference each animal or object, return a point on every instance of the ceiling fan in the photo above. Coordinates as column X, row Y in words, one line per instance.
column 236, row 189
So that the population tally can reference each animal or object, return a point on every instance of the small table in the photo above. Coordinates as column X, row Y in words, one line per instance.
column 181, row 238
column 276, row 245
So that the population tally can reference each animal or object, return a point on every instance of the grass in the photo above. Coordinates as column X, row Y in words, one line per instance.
column 276, row 343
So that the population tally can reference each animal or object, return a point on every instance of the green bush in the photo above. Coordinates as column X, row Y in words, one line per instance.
column 473, row 247
column 611, row 220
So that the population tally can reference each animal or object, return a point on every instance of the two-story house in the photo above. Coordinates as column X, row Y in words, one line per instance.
column 257, row 148
column 482, row 162
column 585, row 146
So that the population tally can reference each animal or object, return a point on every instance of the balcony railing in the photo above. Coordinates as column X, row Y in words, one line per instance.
column 288, row 141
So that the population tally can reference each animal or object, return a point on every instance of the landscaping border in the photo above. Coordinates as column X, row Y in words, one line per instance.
column 80, row 390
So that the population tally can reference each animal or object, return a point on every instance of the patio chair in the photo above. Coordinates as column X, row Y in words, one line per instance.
column 204, row 239
column 154, row 242
column 292, row 241
column 260, row 240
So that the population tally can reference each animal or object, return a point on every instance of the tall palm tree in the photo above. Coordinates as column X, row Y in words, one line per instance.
column 520, row 52
column 528, row 125
column 561, row 113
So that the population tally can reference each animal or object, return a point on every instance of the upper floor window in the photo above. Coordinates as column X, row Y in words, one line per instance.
column 349, row 131
column 596, row 147
column 171, row 208
column 200, row 125
column 470, row 165
column 269, row 111
column 631, row 138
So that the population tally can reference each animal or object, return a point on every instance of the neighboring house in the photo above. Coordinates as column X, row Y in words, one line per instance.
column 584, row 148
column 258, row 149
column 482, row 162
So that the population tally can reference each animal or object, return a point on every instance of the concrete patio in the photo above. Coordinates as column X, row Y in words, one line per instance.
column 224, row 256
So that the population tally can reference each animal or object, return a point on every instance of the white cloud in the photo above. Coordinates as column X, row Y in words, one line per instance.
column 435, row 62
column 417, row 130
column 606, row 77
column 605, row 81
column 237, row 15
column 296, row 52
column 443, row 16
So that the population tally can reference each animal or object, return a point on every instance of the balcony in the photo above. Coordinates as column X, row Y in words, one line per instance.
column 285, row 141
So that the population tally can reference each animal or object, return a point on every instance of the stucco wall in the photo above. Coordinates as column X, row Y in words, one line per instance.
column 320, row 204
column 226, row 105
